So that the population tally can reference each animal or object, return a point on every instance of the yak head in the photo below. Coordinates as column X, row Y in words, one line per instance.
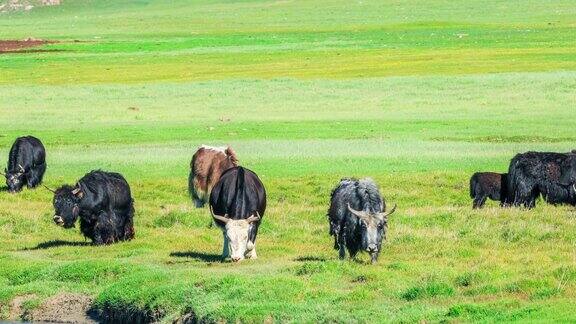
column 568, row 171
column 66, row 201
column 237, row 233
column 373, row 230
column 15, row 178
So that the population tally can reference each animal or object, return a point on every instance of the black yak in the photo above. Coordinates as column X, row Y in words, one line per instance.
column 491, row 185
column 206, row 168
column 552, row 175
column 358, row 218
column 238, row 203
column 104, row 204
column 26, row 164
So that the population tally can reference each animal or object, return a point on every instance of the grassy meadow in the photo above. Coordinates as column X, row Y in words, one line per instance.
column 415, row 94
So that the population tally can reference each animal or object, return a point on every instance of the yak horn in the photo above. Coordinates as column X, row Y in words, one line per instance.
column 390, row 212
column 360, row 214
column 75, row 191
column 253, row 218
column 53, row 191
column 224, row 219
column 21, row 168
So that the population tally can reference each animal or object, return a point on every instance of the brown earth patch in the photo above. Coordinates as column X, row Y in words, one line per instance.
column 16, row 311
column 20, row 46
column 64, row 308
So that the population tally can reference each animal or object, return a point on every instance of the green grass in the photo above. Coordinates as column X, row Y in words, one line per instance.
column 416, row 95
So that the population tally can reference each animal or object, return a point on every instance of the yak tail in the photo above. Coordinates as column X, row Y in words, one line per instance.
column 472, row 186
column 231, row 155
column 513, row 178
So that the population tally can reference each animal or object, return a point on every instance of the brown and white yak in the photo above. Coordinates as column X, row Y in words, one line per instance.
column 206, row 168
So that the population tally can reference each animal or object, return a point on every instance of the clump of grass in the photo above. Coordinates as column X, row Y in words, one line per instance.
column 428, row 289
column 473, row 311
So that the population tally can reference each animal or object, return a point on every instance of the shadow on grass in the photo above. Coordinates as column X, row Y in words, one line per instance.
column 56, row 243
column 310, row 258
column 205, row 257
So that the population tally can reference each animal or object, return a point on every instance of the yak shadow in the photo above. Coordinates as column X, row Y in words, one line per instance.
column 205, row 257
column 310, row 258
column 56, row 243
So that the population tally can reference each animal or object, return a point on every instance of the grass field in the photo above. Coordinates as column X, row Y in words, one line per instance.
column 415, row 94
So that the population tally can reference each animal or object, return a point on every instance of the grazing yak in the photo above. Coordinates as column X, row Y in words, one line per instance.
column 26, row 164
column 237, row 204
column 104, row 204
column 491, row 185
column 552, row 175
column 206, row 167
column 358, row 218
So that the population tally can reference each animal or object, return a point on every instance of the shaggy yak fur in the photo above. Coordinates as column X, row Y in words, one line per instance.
column 357, row 217
column 26, row 164
column 491, row 185
column 104, row 204
column 552, row 175
column 206, row 168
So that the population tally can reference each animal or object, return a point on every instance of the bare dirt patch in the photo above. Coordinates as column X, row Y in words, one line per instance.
column 22, row 46
column 16, row 307
column 64, row 308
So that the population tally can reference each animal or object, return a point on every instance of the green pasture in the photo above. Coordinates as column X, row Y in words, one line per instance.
column 415, row 94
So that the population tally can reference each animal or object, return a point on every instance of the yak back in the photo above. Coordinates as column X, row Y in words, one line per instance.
column 207, row 159
column 360, row 194
column 239, row 193
column 541, row 167
column 546, row 165
column 490, row 182
column 26, row 151
column 104, row 189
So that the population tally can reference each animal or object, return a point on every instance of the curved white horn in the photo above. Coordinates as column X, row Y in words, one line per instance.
column 356, row 212
column 253, row 218
column 224, row 219
column 390, row 212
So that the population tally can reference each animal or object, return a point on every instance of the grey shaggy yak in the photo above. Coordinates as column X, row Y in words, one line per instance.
column 357, row 217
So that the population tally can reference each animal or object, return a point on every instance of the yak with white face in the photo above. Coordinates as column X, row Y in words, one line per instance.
column 357, row 217
column 238, row 203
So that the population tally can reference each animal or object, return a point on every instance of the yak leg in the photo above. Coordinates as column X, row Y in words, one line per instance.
column 34, row 176
column 251, row 253
column 128, row 230
column 341, row 245
column 530, row 201
column 226, row 250
column 523, row 195
column 479, row 202
column 104, row 231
